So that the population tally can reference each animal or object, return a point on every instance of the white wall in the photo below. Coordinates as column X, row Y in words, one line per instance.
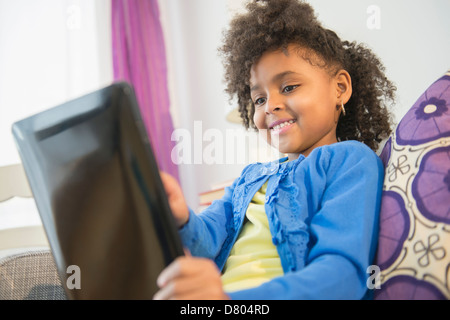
column 411, row 37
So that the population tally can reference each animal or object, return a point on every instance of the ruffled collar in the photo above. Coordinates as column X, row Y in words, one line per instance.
column 272, row 167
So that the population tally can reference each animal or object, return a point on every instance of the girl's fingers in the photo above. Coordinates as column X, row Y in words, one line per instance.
column 169, row 273
column 182, row 288
column 190, row 278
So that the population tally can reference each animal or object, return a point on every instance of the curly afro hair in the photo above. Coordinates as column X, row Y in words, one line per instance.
column 275, row 24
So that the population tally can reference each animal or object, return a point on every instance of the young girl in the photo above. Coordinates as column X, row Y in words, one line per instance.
column 305, row 226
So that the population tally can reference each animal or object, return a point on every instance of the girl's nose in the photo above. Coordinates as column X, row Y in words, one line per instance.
column 273, row 105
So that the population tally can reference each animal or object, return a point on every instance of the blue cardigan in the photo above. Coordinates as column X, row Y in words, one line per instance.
column 323, row 217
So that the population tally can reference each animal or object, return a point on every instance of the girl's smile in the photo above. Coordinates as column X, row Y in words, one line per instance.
column 281, row 126
column 297, row 103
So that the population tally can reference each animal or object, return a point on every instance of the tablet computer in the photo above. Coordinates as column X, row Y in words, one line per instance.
column 96, row 184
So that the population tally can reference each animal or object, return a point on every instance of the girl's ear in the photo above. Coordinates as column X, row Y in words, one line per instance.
column 343, row 86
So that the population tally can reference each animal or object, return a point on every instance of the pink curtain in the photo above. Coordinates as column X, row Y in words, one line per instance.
column 139, row 58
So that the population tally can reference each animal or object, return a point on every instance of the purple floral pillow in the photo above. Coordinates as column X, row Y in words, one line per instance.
column 414, row 242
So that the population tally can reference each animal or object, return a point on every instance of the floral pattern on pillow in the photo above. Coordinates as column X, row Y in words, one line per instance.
column 414, row 240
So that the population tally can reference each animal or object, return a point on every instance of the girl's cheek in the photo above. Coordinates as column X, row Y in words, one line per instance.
column 258, row 119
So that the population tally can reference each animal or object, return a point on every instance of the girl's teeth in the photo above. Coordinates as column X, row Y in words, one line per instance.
column 281, row 125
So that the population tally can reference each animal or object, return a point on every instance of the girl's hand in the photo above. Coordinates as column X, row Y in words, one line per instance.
column 176, row 199
column 190, row 278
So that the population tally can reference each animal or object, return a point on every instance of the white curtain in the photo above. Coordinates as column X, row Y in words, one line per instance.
column 51, row 51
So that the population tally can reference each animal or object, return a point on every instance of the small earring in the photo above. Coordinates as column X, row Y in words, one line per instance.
column 342, row 107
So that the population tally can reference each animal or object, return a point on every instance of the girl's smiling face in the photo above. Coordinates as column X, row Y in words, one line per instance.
column 297, row 104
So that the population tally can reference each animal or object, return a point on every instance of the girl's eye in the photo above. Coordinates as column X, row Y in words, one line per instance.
column 260, row 101
column 289, row 88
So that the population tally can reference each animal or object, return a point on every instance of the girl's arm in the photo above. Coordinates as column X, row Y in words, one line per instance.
column 205, row 233
column 202, row 234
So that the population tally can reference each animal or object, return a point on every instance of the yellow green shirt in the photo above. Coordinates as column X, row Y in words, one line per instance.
column 253, row 259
